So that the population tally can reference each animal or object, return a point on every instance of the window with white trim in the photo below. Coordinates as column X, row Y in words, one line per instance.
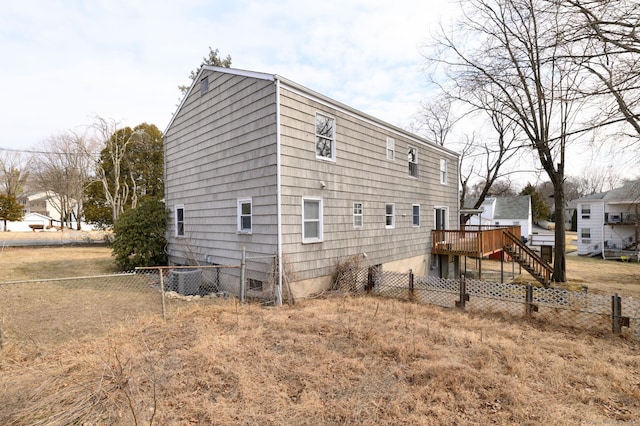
column 415, row 213
column 443, row 171
column 413, row 162
column 179, row 215
column 311, row 220
column 391, row 148
column 585, row 233
column 390, row 215
column 245, row 217
column 325, row 137
column 357, row 215
column 585, row 211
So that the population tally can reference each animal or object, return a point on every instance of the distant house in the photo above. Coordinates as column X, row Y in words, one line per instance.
column 31, row 222
column 504, row 211
column 256, row 161
column 45, row 203
column 607, row 222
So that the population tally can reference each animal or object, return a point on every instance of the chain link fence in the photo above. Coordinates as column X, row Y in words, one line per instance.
column 47, row 311
column 579, row 309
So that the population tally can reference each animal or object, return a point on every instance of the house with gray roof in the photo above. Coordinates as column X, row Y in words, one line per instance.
column 257, row 163
column 608, row 222
column 504, row 211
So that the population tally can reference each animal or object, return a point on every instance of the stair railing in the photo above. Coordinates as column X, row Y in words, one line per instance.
column 528, row 258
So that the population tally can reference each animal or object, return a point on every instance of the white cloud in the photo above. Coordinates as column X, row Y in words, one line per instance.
column 65, row 61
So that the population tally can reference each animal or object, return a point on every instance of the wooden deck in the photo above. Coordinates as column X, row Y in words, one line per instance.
column 471, row 240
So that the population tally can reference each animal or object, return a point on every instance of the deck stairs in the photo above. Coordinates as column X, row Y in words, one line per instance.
column 527, row 258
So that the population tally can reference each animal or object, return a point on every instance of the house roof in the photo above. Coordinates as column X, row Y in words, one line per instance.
column 304, row 91
column 630, row 191
column 35, row 216
column 512, row 207
column 515, row 207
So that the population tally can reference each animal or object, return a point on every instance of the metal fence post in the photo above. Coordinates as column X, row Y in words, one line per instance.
column 615, row 307
column 531, row 308
column 411, row 283
column 464, row 297
column 243, row 267
column 164, row 308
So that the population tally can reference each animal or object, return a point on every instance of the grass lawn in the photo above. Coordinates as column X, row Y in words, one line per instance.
column 336, row 360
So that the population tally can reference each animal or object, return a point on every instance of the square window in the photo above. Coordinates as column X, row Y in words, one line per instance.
column 413, row 162
column 357, row 215
column 179, row 211
column 390, row 148
column 325, row 137
column 245, row 215
column 390, row 216
column 416, row 214
column 585, row 233
column 311, row 220
column 443, row 171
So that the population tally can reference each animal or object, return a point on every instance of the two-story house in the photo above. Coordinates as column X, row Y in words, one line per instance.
column 256, row 161
column 608, row 222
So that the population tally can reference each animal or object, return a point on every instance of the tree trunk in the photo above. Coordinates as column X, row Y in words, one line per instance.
column 559, row 262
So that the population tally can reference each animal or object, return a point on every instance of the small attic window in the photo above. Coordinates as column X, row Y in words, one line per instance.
column 204, row 85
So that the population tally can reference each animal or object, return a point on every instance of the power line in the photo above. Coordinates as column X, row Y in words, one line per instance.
column 26, row 151
column 34, row 151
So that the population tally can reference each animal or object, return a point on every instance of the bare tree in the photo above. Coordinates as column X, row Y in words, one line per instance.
column 110, row 165
column 488, row 159
column 14, row 172
column 604, row 40
column 483, row 158
column 509, row 50
column 62, row 171
column 435, row 120
column 597, row 179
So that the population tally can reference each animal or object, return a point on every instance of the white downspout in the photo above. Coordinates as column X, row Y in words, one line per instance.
column 278, row 197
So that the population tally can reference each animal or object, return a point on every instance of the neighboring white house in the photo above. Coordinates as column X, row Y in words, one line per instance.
column 608, row 222
column 256, row 161
column 31, row 222
column 44, row 207
column 44, row 203
column 504, row 211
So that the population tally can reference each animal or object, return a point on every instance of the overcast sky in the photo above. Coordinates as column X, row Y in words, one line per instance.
column 63, row 62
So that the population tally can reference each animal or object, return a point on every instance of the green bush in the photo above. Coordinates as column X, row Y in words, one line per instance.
column 139, row 236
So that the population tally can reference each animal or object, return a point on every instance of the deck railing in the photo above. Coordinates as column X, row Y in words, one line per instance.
column 471, row 240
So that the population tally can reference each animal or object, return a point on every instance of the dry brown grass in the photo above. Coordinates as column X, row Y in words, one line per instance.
column 54, row 262
column 341, row 360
